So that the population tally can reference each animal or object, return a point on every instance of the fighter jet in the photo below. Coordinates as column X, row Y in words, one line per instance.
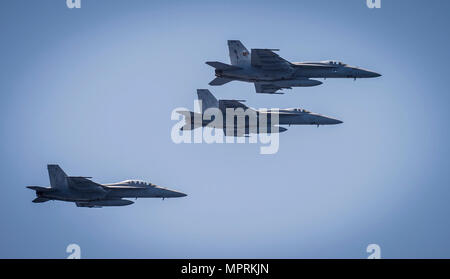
column 270, row 73
column 290, row 116
column 86, row 193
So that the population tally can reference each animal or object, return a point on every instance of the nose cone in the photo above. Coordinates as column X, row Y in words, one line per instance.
column 373, row 74
column 332, row 121
column 362, row 73
column 324, row 120
column 180, row 195
column 173, row 194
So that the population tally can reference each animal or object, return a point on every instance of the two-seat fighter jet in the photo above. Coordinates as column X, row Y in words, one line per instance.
column 270, row 73
column 86, row 193
column 292, row 116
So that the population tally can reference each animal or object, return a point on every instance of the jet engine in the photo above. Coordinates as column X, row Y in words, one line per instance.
column 101, row 203
column 297, row 83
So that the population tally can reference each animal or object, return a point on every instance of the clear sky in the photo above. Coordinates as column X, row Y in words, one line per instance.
column 92, row 89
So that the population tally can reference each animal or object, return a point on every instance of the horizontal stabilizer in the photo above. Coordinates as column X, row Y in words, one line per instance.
column 222, row 66
column 40, row 200
column 40, row 189
column 219, row 81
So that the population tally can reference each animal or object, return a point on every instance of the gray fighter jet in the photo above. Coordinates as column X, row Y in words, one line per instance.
column 270, row 73
column 86, row 193
column 291, row 116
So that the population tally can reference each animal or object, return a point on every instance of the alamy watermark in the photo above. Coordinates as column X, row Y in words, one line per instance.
column 374, row 251
column 74, row 251
column 234, row 125
column 73, row 4
column 373, row 4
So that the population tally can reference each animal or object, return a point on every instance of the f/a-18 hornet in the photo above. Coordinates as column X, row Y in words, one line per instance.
column 270, row 73
column 291, row 116
column 86, row 193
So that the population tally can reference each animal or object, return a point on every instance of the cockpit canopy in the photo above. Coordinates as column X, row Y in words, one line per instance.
column 298, row 110
column 137, row 182
column 334, row 63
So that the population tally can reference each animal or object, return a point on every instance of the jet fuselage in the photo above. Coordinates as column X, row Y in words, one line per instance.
column 270, row 73
column 241, row 116
column 302, row 71
column 111, row 191
column 86, row 193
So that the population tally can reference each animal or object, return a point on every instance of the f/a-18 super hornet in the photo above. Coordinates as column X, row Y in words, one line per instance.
column 270, row 73
column 273, row 118
column 86, row 193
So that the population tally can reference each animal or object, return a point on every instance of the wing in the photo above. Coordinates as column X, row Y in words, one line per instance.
column 313, row 65
column 268, row 88
column 126, row 187
column 84, row 185
column 224, row 104
column 269, row 60
column 222, row 66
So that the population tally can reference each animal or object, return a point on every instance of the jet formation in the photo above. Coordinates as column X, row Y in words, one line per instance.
column 86, row 193
column 267, row 70
column 289, row 116
column 271, row 73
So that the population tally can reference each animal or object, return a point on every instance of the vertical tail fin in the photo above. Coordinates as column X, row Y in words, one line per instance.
column 207, row 98
column 239, row 55
column 58, row 178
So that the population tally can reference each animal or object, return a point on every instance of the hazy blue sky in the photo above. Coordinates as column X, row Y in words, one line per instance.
column 92, row 89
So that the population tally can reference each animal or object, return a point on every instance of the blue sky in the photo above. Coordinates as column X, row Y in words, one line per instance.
column 92, row 89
